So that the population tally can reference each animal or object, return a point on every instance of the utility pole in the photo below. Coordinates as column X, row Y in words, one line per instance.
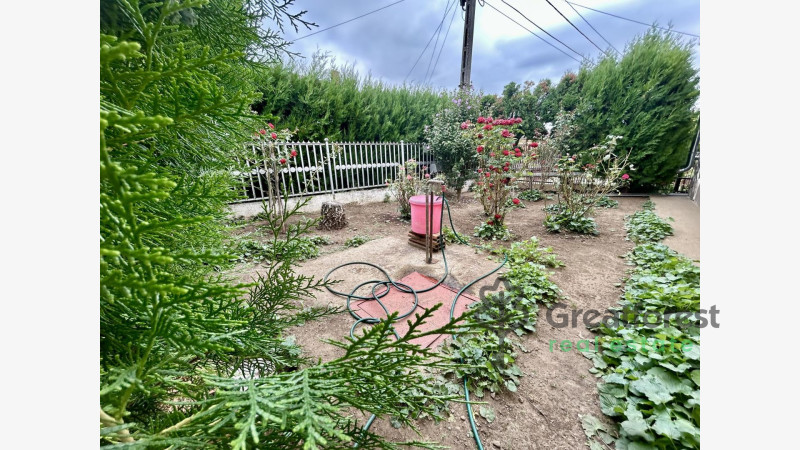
column 466, row 51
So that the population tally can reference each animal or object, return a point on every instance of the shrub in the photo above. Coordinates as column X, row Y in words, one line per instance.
column 452, row 148
column 190, row 358
column 324, row 99
column 602, row 170
column 494, row 145
column 649, row 97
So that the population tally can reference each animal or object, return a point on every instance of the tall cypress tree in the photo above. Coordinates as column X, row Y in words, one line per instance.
column 648, row 97
column 189, row 358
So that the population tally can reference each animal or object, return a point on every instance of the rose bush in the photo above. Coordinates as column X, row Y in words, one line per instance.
column 584, row 180
column 499, row 161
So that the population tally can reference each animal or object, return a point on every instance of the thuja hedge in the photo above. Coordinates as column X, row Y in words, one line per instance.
column 326, row 100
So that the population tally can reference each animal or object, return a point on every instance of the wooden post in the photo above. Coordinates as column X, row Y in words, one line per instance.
column 428, row 230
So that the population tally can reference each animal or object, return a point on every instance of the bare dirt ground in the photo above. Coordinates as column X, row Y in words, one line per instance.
column 557, row 385
column 686, row 228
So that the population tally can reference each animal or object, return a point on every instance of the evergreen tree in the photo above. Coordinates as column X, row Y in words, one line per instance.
column 189, row 358
column 647, row 96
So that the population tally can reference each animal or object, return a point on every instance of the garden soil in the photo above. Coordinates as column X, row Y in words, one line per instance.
column 686, row 227
column 557, row 386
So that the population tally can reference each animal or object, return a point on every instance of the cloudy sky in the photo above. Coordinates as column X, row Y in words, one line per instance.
column 389, row 42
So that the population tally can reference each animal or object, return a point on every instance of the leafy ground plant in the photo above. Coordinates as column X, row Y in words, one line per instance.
column 493, row 230
column 453, row 237
column 356, row 241
column 650, row 366
column 606, row 202
column 564, row 220
column 253, row 250
column 531, row 195
column 490, row 355
column 529, row 251
column 646, row 226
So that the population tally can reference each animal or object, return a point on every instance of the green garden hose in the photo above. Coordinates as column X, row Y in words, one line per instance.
column 409, row 290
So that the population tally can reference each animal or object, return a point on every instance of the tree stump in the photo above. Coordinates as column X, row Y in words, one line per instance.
column 333, row 217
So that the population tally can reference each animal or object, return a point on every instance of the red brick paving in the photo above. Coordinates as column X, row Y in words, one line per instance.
column 401, row 302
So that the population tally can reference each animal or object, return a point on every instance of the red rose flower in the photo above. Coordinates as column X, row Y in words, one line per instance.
column 626, row 177
column 283, row 160
column 505, row 169
column 506, row 152
column 480, row 148
column 506, row 133
column 480, row 136
column 534, row 144
column 487, row 127
column 481, row 119
column 273, row 136
column 490, row 222
column 262, row 131
column 497, row 216
column 491, row 154
column 516, row 201
column 271, row 126
column 293, row 154
column 487, row 174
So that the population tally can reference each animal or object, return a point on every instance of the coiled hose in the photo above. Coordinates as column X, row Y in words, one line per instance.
column 409, row 290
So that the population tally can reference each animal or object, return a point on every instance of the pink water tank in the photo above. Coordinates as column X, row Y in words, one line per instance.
column 418, row 214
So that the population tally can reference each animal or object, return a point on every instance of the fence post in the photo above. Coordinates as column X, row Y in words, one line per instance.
column 402, row 154
column 332, row 171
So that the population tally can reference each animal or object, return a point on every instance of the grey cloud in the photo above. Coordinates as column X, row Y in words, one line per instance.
column 389, row 41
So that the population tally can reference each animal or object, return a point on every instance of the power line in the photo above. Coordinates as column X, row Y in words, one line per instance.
column 631, row 20
column 442, row 47
column 348, row 21
column 431, row 39
column 529, row 31
column 543, row 30
column 590, row 25
column 438, row 34
column 573, row 26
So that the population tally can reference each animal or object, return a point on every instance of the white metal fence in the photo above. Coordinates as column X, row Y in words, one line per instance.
column 328, row 167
